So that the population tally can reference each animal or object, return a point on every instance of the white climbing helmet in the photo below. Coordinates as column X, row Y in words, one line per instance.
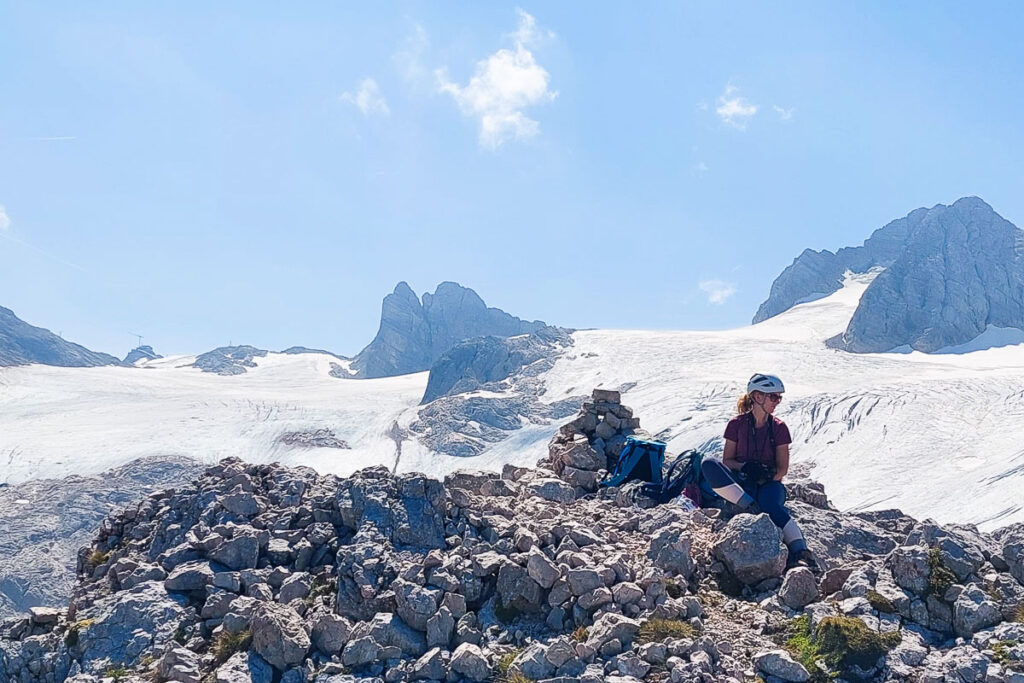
column 769, row 384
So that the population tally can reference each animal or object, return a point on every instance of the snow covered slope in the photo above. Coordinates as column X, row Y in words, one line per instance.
column 935, row 435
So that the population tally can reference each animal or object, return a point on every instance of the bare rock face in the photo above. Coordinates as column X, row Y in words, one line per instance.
column 413, row 335
column 962, row 270
column 946, row 274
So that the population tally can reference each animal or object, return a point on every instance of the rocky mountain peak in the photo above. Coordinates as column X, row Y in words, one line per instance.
column 413, row 334
column 947, row 273
column 144, row 352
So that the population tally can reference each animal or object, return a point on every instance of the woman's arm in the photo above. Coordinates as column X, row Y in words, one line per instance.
column 729, row 456
column 781, row 461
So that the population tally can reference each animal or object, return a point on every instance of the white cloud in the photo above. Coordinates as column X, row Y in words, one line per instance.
column 5, row 221
column 368, row 98
column 718, row 291
column 409, row 58
column 784, row 114
column 734, row 109
column 503, row 85
column 699, row 169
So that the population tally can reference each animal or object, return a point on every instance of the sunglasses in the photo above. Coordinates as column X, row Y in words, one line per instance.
column 774, row 398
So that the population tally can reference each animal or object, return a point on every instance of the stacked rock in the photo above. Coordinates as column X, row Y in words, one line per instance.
column 587, row 447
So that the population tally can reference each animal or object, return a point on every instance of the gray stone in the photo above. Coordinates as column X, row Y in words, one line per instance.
column 242, row 551
column 974, row 611
column 751, row 548
column 179, row 664
column 554, row 490
column 330, row 633
column 541, row 569
column 278, row 635
column 778, row 663
column 431, row 666
column 191, row 576
column 244, row 667
column 583, row 581
column 670, row 550
column 517, row 590
column 415, row 605
column 469, row 661
column 799, row 588
column 360, row 652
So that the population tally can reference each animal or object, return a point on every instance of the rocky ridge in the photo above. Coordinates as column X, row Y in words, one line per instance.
column 260, row 573
column 21, row 343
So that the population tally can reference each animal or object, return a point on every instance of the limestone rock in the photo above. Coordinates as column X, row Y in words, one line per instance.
column 751, row 548
column 278, row 635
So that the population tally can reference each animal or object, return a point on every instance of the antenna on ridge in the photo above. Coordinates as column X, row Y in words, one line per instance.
column 139, row 336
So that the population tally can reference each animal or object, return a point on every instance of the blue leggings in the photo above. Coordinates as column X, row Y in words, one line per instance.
column 770, row 497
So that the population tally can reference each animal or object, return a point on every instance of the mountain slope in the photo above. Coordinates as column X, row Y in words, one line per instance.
column 21, row 343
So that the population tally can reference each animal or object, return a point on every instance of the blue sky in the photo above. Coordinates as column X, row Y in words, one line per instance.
column 265, row 174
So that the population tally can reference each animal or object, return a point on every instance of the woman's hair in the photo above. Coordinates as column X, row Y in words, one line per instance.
column 745, row 403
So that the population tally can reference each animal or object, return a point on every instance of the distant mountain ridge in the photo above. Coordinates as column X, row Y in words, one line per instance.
column 948, row 274
column 414, row 334
column 21, row 344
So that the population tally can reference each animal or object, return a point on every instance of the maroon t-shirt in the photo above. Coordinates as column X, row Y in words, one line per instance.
column 760, row 449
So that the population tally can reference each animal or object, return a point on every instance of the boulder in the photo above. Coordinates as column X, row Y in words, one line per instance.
column 278, row 635
column 517, row 590
column 751, row 548
column 778, row 663
column 244, row 667
column 799, row 588
column 670, row 550
column 469, row 661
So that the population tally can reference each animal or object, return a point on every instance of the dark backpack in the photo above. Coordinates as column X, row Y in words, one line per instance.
column 684, row 476
column 639, row 459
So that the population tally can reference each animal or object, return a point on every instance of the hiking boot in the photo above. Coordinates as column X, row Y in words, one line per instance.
column 804, row 558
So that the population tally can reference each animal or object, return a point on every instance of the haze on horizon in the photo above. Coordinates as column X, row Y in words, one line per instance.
column 265, row 175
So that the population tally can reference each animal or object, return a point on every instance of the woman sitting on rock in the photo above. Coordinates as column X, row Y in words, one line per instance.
column 755, row 459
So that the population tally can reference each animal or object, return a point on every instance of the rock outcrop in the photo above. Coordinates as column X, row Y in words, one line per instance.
column 144, row 352
column 21, row 344
column 265, row 573
column 229, row 360
column 483, row 362
column 414, row 334
column 947, row 274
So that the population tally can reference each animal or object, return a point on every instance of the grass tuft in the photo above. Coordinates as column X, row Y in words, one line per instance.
column 97, row 557
column 227, row 644
column 1018, row 615
column 656, row 630
column 502, row 666
column 580, row 634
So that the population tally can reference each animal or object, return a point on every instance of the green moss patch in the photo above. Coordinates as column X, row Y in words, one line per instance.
column 881, row 603
column 840, row 643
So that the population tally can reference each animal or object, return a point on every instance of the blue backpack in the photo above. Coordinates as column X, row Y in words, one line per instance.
column 639, row 459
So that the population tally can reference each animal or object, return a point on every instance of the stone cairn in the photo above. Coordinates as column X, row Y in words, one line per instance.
column 584, row 449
